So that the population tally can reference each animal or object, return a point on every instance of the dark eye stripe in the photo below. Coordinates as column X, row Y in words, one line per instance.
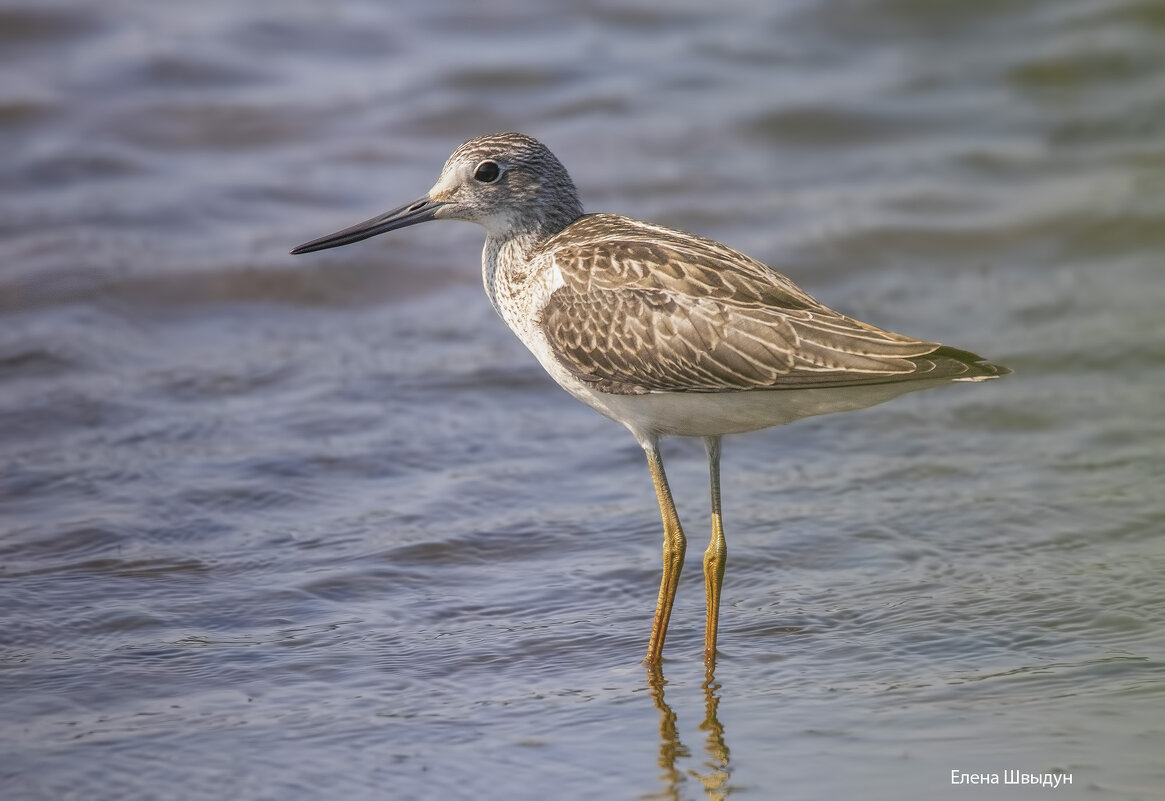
column 487, row 172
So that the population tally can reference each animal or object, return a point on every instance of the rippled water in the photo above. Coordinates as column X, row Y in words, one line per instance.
column 319, row 527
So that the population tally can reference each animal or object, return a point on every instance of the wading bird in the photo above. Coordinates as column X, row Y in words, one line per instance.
column 666, row 332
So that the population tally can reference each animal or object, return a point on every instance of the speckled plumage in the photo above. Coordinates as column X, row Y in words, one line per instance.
column 666, row 332
column 647, row 309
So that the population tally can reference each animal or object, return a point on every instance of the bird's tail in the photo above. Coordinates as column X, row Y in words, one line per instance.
column 958, row 365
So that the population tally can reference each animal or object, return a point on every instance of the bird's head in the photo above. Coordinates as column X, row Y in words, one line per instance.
column 509, row 183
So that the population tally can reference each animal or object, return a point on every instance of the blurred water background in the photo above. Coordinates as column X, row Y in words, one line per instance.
column 319, row 527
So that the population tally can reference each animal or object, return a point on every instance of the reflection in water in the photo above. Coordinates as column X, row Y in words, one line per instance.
column 671, row 747
column 715, row 781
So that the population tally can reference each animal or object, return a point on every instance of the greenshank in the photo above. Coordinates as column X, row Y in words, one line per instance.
column 665, row 332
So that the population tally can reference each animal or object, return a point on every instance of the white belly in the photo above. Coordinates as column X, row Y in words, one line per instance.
column 702, row 414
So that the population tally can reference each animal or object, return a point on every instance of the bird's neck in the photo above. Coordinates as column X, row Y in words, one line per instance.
column 510, row 254
column 505, row 266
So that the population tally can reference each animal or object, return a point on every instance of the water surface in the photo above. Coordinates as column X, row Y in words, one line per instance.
column 319, row 527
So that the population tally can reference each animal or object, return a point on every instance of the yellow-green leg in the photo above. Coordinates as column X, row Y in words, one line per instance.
column 674, row 546
column 717, row 553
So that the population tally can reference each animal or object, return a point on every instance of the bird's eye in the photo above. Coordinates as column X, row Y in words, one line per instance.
column 487, row 172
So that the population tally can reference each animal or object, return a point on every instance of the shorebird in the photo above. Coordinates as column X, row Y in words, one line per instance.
column 663, row 331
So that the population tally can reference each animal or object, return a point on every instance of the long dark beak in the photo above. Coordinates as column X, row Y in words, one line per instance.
column 416, row 212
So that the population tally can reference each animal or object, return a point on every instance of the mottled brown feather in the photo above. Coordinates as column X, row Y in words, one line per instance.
column 644, row 308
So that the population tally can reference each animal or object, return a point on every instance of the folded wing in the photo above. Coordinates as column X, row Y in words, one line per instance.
column 645, row 309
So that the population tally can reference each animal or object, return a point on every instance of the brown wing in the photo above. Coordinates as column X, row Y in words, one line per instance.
column 646, row 309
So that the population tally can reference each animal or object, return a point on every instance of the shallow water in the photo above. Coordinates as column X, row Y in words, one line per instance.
column 319, row 527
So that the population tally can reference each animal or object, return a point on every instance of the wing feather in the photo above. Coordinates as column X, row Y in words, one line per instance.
column 643, row 308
